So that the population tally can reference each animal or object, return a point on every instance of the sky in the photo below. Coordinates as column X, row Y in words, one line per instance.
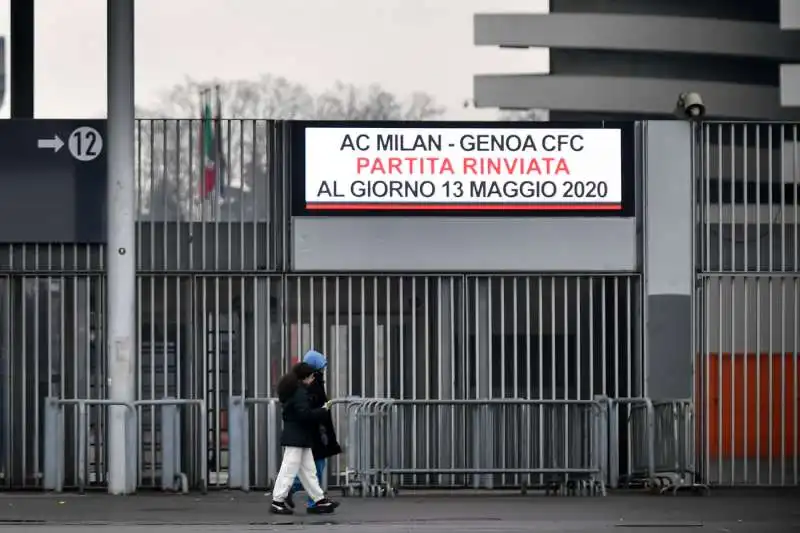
column 405, row 45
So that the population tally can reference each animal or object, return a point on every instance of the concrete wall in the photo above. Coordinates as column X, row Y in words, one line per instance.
column 668, row 259
column 464, row 244
column 790, row 15
column 790, row 85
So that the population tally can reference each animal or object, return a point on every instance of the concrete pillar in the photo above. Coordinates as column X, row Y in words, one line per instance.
column 122, row 350
column 668, row 268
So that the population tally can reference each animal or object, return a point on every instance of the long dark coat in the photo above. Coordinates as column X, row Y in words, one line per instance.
column 324, row 443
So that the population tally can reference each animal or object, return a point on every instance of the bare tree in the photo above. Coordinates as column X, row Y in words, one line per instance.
column 169, row 145
column 347, row 102
column 524, row 115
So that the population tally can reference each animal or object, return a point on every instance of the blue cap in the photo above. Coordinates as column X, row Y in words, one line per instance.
column 316, row 360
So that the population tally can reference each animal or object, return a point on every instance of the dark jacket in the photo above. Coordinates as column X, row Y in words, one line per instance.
column 324, row 444
column 300, row 420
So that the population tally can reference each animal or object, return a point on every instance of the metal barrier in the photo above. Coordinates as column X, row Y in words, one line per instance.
column 239, row 440
column 561, row 446
column 240, row 412
column 368, row 454
column 660, row 445
column 171, row 476
column 558, row 445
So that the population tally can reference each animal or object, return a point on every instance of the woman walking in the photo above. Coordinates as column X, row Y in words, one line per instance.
column 324, row 445
column 300, row 424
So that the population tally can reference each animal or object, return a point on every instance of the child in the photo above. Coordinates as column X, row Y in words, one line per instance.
column 300, row 423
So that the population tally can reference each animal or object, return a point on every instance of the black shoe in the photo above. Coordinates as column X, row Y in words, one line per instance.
column 280, row 508
column 289, row 500
column 324, row 506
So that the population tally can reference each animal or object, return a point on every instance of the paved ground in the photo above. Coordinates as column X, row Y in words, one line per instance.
column 727, row 512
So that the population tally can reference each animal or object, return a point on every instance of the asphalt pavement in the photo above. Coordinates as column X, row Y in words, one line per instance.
column 721, row 511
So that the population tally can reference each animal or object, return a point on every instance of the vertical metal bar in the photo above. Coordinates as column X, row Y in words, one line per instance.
column 216, row 356
column 165, row 187
column 191, row 201
column 377, row 377
column 502, row 422
column 76, row 355
column 36, row 369
column 796, row 327
column 566, row 375
column 427, row 371
column 629, row 349
column 453, row 365
column 402, row 366
column 337, row 342
column 591, row 321
column 207, row 439
column 720, row 359
column 255, row 192
column 24, row 367
column 439, row 375
column 733, row 287
column 414, row 438
column 241, row 264
column 540, row 331
column 362, row 324
column 180, row 202
column 604, row 338
column 795, row 368
column 502, row 336
column 139, row 370
column 578, row 341
column 165, row 363
column 528, row 368
column 388, row 343
column 758, row 347
column 783, row 181
column 733, row 356
column 151, row 378
column 224, row 175
column 312, row 285
column 771, row 266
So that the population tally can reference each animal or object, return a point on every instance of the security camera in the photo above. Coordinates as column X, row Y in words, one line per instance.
column 690, row 105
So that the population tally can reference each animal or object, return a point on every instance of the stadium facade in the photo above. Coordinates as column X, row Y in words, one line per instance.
column 630, row 58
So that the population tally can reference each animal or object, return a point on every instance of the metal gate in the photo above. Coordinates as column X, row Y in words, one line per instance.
column 747, row 305
column 414, row 337
column 218, row 315
column 51, row 344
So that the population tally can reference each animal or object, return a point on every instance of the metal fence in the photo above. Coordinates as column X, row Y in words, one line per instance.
column 207, row 337
column 747, row 312
column 219, row 316
column 556, row 445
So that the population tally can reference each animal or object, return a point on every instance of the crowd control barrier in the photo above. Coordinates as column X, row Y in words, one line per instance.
column 659, row 441
column 556, row 445
column 170, row 459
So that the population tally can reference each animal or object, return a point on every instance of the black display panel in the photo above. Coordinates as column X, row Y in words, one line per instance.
column 52, row 181
column 462, row 168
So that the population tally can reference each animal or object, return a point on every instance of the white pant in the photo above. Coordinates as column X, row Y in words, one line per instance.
column 297, row 462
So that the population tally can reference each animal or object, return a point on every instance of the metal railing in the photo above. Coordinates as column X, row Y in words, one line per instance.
column 660, row 445
column 172, row 478
column 557, row 445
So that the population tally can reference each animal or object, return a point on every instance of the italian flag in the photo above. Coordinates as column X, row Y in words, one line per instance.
column 211, row 138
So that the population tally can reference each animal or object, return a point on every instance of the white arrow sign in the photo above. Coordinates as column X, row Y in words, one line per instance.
column 53, row 144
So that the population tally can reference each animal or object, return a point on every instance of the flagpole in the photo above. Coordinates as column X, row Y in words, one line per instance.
column 219, row 161
column 202, row 177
